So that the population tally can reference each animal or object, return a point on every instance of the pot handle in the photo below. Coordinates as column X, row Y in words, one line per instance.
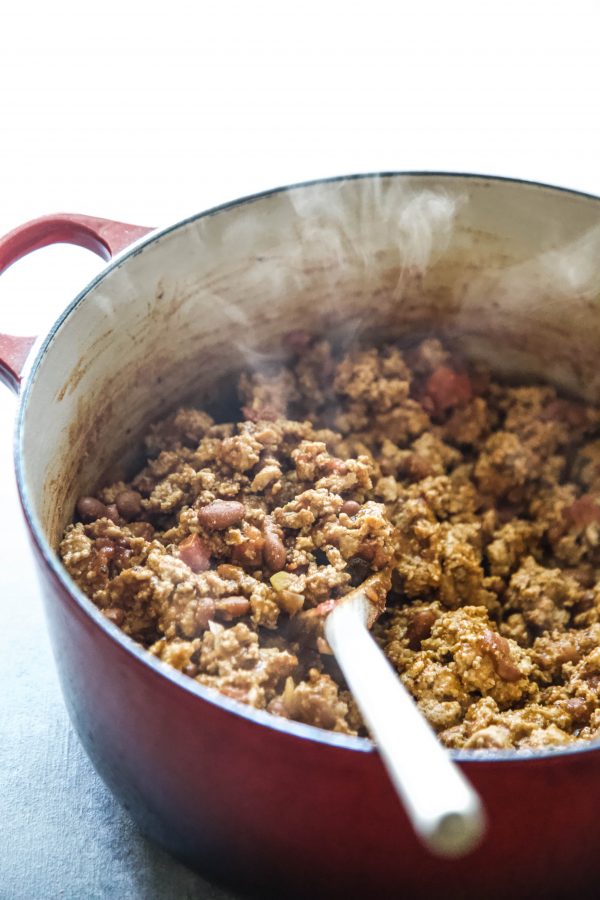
column 103, row 236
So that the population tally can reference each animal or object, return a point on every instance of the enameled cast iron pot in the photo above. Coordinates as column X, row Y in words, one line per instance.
column 511, row 271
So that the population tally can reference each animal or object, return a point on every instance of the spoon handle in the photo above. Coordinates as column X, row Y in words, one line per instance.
column 443, row 808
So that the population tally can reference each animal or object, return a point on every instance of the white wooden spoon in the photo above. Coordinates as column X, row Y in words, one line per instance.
column 445, row 811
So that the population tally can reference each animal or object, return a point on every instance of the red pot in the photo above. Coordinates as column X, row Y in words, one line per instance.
column 259, row 801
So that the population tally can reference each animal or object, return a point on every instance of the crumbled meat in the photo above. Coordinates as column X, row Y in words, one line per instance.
column 472, row 504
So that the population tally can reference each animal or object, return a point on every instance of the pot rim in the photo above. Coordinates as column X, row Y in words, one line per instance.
column 87, row 607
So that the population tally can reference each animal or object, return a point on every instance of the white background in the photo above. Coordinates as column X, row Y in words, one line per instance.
column 147, row 113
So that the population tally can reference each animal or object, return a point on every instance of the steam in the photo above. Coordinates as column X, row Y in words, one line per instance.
column 570, row 272
column 329, row 239
column 355, row 226
column 324, row 256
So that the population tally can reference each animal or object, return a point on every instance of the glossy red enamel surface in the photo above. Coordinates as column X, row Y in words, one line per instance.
column 103, row 236
column 14, row 351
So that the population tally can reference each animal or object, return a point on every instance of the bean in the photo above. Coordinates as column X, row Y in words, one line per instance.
column 221, row 514
column 90, row 509
column 351, row 507
column 274, row 551
column 194, row 553
column 129, row 504
column 191, row 669
column 499, row 649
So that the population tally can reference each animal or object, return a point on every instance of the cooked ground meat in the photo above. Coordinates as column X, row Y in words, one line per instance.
column 225, row 553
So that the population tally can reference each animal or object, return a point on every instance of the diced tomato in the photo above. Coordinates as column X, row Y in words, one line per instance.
column 447, row 388
column 194, row 553
column 583, row 511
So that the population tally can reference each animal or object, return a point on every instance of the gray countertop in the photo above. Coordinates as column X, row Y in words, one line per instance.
column 62, row 834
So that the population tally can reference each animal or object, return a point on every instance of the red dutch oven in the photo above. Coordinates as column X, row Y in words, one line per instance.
column 510, row 271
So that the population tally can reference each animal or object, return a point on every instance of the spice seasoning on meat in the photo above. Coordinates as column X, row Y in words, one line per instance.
column 224, row 554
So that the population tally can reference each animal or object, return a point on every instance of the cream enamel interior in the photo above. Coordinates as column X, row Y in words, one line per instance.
column 509, row 269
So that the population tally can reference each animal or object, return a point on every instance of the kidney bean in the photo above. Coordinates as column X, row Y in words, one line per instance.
column 351, row 507
column 90, row 509
column 499, row 649
column 129, row 504
column 274, row 551
column 419, row 627
column 114, row 614
column 221, row 514
column 194, row 553
column 229, row 608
